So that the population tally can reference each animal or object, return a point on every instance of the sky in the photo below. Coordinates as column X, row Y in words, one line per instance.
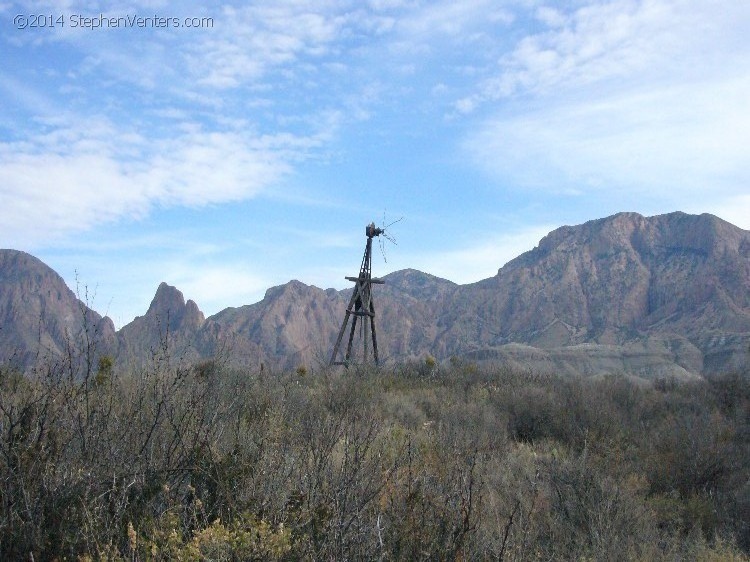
column 226, row 149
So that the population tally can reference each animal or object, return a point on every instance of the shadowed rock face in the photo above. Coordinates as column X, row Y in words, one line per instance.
column 178, row 329
column 612, row 281
column 643, row 295
column 666, row 294
column 169, row 305
column 39, row 315
column 672, row 281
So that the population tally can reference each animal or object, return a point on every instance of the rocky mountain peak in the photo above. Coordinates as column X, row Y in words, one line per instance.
column 291, row 288
column 169, row 303
column 26, row 271
column 626, row 293
column 167, row 298
column 418, row 284
column 193, row 317
column 38, row 312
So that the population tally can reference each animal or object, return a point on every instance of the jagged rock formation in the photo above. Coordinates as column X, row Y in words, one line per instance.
column 648, row 296
column 40, row 317
column 677, row 281
column 296, row 324
column 177, row 330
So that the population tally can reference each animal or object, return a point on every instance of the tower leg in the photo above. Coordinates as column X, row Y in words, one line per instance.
column 374, row 337
column 343, row 328
column 351, row 339
column 360, row 305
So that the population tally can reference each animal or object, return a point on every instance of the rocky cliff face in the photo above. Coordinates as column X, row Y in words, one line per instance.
column 676, row 278
column 649, row 296
column 177, row 330
column 40, row 317
column 293, row 325
column 666, row 295
column 296, row 324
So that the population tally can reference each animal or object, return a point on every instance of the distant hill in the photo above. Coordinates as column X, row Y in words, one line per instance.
column 676, row 283
column 646, row 296
column 40, row 317
column 170, row 328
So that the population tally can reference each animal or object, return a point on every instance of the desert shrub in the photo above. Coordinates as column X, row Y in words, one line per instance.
column 592, row 514
column 732, row 394
column 533, row 415
column 207, row 461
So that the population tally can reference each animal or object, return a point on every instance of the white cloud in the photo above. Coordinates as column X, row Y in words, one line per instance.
column 215, row 287
column 256, row 39
column 92, row 173
column 615, row 43
column 29, row 98
column 646, row 96
column 475, row 262
column 451, row 18
column 692, row 137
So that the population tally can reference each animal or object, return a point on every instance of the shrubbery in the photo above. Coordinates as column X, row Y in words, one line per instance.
column 413, row 462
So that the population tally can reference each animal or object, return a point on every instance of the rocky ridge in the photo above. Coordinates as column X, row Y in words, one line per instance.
column 646, row 296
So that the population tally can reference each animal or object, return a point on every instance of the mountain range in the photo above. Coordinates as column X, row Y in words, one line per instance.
column 667, row 295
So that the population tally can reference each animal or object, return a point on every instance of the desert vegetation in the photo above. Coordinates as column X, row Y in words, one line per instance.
column 418, row 461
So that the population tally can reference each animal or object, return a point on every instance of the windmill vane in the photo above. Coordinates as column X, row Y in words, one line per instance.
column 373, row 231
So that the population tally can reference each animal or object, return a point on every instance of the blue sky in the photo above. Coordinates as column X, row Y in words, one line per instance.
column 252, row 150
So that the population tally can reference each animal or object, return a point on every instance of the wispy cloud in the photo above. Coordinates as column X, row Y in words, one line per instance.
column 607, row 45
column 474, row 262
column 212, row 286
column 462, row 20
column 259, row 38
column 672, row 139
column 176, row 142
column 645, row 96
column 92, row 173
column 269, row 121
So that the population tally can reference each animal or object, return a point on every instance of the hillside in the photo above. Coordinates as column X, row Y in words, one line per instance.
column 40, row 316
column 648, row 296
column 171, row 328
column 676, row 282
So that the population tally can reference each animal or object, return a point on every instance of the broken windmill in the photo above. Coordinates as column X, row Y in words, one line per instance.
column 361, row 307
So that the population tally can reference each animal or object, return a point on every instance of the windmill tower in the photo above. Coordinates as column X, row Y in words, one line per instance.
column 361, row 307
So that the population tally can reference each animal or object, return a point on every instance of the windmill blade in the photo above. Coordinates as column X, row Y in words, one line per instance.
column 384, row 234
column 382, row 250
column 385, row 228
column 391, row 224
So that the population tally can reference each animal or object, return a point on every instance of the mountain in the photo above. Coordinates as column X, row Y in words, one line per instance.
column 296, row 324
column 177, row 330
column 648, row 296
column 679, row 282
column 169, row 323
column 40, row 317
column 293, row 324
column 663, row 295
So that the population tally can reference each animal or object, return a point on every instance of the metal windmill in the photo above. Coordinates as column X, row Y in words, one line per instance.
column 361, row 306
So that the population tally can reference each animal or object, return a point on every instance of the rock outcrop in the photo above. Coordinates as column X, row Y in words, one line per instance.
column 648, row 296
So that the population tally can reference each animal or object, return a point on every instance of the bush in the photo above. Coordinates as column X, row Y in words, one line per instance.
column 180, row 461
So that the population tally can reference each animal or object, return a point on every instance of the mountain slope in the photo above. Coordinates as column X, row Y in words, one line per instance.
column 177, row 330
column 40, row 317
column 663, row 295
column 297, row 324
column 613, row 281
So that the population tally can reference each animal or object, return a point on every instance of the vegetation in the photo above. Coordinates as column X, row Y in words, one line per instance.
column 414, row 462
